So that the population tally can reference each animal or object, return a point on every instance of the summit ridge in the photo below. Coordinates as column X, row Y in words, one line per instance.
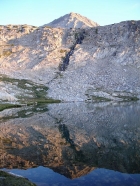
column 73, row 20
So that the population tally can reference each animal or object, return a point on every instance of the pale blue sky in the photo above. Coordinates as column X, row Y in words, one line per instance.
column 40, row 12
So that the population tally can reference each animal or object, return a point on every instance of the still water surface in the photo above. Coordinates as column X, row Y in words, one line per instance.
column 73, row 143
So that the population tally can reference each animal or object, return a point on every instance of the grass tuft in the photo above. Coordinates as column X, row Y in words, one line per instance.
column 10, row 180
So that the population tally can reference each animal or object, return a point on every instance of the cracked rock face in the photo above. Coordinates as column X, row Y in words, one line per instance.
column 105, row 66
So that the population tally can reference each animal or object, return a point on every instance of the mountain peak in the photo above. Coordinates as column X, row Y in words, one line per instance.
column 73, row 20
column 73, row 14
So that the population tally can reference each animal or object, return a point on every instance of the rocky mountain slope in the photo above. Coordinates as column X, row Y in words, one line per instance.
column 101, row 63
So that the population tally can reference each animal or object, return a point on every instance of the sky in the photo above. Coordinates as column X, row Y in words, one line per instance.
column 40, row 12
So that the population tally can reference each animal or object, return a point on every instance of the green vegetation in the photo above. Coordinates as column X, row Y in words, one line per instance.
column 41, row 101
column 48, row 27
column 128, row 98
column 98, row 99
column 27, row 111
column 7, row 106
column 32, row 93
column 124, row 96
column 6, row 140
column 76, row 35
column 62, row 51
column 6, row 53
column 59, row 75
column 10, row 180
column 63, row 57
column 37, row 91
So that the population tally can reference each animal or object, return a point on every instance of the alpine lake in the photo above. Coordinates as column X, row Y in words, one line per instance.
column 72, row 144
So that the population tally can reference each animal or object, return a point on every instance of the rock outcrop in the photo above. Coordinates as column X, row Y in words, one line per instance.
column 104, row 66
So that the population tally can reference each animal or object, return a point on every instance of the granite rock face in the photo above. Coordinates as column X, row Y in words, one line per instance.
column 104, row 66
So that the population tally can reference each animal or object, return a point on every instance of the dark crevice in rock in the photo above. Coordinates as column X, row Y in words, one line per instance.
column 79, row 156
column 79, row 38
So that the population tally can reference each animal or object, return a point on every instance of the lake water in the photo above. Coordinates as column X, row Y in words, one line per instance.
column 94, row 144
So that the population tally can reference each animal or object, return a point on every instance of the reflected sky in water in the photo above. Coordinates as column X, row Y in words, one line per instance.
column 44, row 176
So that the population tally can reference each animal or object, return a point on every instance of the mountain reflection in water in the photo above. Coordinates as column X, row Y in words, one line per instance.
column 73, row 140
